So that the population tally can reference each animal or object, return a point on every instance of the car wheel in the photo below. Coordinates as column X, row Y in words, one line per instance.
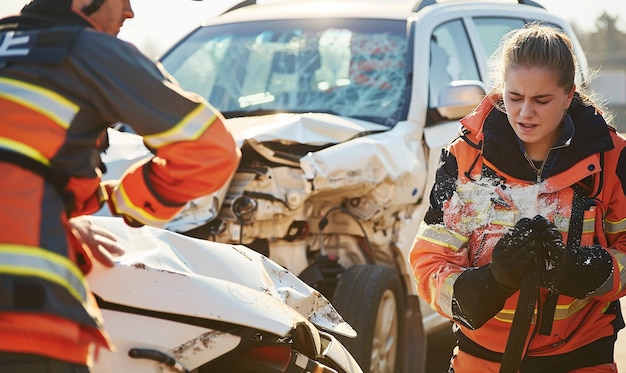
column 370, row 298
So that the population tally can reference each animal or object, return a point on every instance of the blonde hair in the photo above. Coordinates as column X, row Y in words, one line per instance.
column 538, row 45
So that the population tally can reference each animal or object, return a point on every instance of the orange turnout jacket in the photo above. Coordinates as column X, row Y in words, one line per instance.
column 469, row 212
column 61, row 87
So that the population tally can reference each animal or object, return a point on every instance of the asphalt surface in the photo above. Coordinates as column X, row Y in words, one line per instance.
column 440, row 347
column 620, row 346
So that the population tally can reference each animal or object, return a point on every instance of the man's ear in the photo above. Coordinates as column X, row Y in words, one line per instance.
column 90, row 7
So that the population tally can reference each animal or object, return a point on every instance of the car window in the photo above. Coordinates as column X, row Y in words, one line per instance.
column 353, row 68
column 491, row 29
column 451, row 58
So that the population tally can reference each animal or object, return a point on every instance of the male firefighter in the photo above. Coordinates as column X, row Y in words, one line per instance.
column 64, row 79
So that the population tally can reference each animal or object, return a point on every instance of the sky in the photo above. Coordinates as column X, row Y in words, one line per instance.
column 159, row 23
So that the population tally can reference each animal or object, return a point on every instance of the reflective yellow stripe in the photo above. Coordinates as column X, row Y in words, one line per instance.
column 615, row 227
column 23, row 149
column 563, row 311
column 127, row 205
column 33, row 261
column 507, row 315
column 190, row 128
column 439, row 235
column 41, row 100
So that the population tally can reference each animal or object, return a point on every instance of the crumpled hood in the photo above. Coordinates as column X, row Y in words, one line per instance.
column 167, row 272
column 308, row 128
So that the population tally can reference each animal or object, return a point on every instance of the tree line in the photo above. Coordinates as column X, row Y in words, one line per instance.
column 605, row 48
column 606, row 45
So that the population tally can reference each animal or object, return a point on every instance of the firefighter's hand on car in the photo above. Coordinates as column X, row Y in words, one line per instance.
column 514, row 254
column 102, row 244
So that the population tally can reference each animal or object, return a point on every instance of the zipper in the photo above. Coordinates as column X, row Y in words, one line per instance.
column 539, row 170
column 532, row 164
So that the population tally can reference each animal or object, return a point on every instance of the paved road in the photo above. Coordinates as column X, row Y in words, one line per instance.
column 620, row 347
column 440, row 348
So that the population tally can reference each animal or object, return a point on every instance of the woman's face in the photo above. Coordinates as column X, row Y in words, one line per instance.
column 535, row 106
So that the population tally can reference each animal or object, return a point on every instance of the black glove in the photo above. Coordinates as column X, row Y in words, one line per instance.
column 480, row 293
column 574, row 271
column 552, row 254
column 478, row 297
column 514, row 254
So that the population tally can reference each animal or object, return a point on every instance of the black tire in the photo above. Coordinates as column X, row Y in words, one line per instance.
column 363, row 297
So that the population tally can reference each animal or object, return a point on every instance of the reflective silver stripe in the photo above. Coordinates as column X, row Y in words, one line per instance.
column 589, row 225
column 439, row 235
column 607, row 287
column 190, row 128
column 562, row 223
column 444, row 298
column 615, row 227
column 502, row 217
column 41, row 100
column 33, row 261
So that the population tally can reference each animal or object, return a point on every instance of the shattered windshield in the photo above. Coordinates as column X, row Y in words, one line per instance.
column 351, row 68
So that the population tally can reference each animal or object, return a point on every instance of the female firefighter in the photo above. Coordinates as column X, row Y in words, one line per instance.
column 524, row 243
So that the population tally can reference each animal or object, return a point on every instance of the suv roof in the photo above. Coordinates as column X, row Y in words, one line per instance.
column 393, row 9
column 406, row 5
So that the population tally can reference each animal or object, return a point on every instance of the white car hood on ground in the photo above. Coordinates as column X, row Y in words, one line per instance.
column 190, row 275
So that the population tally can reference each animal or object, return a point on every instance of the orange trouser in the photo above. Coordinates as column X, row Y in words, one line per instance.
column 465, row 363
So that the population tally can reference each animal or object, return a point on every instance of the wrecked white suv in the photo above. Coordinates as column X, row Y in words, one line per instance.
column 340, row 109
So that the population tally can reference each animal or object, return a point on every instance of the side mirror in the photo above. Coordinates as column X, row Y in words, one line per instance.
column 460, row 97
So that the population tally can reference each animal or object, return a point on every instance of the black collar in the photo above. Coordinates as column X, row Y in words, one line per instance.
column 584, row 133
column 44, row 14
